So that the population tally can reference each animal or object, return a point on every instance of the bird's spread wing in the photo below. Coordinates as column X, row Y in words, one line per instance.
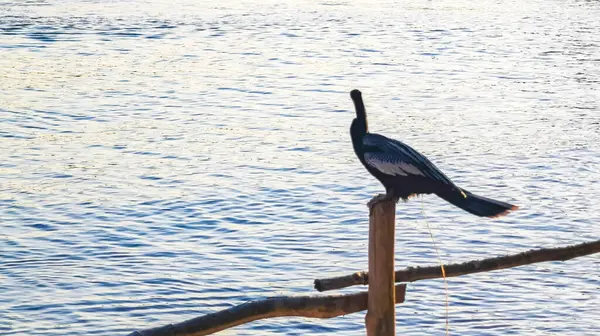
column 394, row 158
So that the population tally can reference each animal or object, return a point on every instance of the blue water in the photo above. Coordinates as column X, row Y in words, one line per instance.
column 160, row 160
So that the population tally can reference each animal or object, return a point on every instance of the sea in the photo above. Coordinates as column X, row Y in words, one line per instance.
column 162, row 160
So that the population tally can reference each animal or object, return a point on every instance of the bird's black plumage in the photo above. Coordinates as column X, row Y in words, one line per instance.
column 404, row 172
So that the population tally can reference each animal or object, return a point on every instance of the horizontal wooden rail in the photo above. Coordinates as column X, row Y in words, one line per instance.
column 305, row 306
column 411, row 274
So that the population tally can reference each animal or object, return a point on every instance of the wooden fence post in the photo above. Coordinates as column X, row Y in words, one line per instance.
column 381, row 316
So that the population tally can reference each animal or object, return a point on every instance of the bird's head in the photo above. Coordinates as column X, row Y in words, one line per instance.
column 361, row 113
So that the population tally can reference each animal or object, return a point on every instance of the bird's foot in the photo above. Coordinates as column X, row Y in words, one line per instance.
column 375, row 200
column 381, row 198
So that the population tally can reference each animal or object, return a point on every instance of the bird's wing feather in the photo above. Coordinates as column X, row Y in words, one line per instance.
column 394, row 158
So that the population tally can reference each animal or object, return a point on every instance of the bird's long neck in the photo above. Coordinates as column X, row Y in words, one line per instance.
column 359, row 127
column 361, row 114
column 358, row 130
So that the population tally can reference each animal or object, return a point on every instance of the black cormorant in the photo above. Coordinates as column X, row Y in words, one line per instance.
column 405, row 173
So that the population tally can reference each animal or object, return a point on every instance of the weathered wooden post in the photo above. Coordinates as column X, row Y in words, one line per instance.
column 381, row 315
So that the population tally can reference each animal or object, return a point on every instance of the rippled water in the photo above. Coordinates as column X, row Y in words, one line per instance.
column 166, row 159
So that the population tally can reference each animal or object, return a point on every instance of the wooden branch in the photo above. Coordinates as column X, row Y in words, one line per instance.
column 411, row 274
column 305, row 306
column 381, row 316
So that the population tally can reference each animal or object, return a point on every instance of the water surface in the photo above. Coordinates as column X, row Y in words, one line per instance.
column 161, row 160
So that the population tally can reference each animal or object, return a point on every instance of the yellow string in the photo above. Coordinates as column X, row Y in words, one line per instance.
column 441, row 264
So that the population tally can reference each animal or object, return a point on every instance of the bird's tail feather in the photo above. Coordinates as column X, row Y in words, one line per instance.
column 478, row 205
